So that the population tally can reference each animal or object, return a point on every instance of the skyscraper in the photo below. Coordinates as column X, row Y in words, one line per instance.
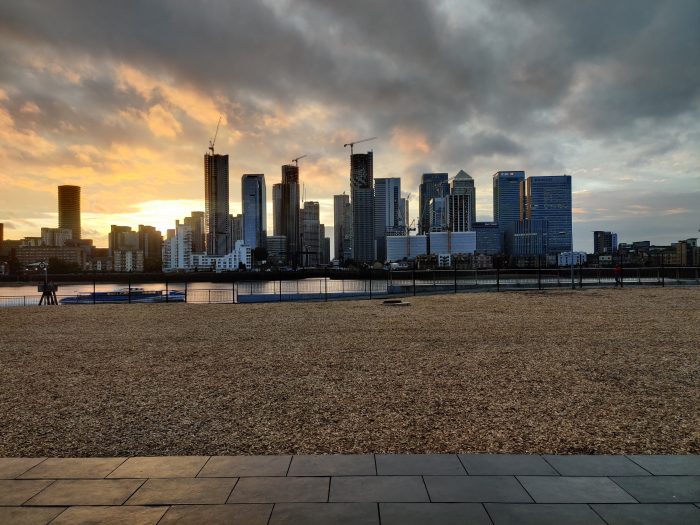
column 290, row 212
column 362, row 202
column 311, row 234
column 151, row 244
column 549, row 199
column 69, row 209
column 463, row 184
column 254, row 209
column 458, row 212
column 432, row 185
column 341, row 203
column 216, row 218
column 277, row 209
column 196, row 222
column 506, row 197
column 387, row 200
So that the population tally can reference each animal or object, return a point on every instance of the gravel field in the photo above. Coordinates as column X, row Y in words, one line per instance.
column 597, row 371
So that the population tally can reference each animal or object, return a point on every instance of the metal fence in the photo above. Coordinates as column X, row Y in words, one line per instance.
column 402, row 283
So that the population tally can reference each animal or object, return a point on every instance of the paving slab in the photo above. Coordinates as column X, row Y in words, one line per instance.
column 333, row 465
column 476, row 489
column 160, row 467
column 231, row 514
column 73, row 468
column 325, row 514
column 662, row 489
column 603, row 465
column 243, row 466
column 10, row 468
column 419, row 465
column 280, row 490
column 649, row 514
column 665, row 465
column 110, row 515
column 86, row 492
column 542, row 514
column 560, row 489
column 506, row 465
column 433, row 514
column 183, row 491
column 378, row 489
column 28, row 515
column 17, row 491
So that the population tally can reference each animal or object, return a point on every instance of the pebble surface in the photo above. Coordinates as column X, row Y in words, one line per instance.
column 561, row 372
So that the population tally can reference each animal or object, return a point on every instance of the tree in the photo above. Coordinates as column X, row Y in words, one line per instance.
column 259, row 255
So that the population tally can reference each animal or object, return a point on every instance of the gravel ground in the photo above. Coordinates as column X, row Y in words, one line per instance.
column 598, row 371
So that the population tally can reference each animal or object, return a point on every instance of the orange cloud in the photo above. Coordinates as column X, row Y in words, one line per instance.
column 410, row 141
column 162, row 123
column 26, row 141
column 196, row 105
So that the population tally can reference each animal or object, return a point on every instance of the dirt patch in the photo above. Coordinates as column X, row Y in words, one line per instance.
column 613, row 371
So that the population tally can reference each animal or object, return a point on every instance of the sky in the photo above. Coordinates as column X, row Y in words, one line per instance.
column 122, row 97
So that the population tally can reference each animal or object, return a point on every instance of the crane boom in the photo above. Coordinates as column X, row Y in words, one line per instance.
column 351, row 144
column 296, row 161
column 213, row 140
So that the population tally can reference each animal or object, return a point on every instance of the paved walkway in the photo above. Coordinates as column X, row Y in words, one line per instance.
column 362, row 489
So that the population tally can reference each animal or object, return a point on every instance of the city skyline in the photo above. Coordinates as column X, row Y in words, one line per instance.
column 128, row 118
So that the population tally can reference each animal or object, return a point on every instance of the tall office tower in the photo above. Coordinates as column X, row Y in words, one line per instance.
column 463, row 184
column 387, row 198
column 362, row 202
column 340, row 205
column 549, row 199
column 458, row 212
column 310, row 237
column 404, row 219
column 151, row 243
column 216, row 219
column 432, row 185
column 69, row 209
column 196, row 222
column 290, row 212
column 506, row 197
column 277, row 209
column 177, row 248
column 604, row 243
column 235, row 228
column 254, row 209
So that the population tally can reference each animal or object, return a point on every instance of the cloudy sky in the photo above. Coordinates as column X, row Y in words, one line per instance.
column 121, row 98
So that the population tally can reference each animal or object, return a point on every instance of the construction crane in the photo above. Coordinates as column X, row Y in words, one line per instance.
column 296, row 161
column 213, row 140
column 351, row 144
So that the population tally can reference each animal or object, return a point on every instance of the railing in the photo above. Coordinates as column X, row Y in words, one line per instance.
column 403, row 283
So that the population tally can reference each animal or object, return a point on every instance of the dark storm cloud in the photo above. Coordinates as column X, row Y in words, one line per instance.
column 402, row 62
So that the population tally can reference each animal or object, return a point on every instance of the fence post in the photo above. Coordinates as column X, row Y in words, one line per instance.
column 129, row 287
column 455, row 276
column 370, row 283
column 639, row 276
column 678, row 277
column 209, row 301
column 325, row 285
column 663, row 275
column 24, row 300
column 413, row 271
column 233, row 292
column 280, row 288
column 539, row 272
column 167, row 292
column 498, row 279
column 580, row 275
column 185, row 291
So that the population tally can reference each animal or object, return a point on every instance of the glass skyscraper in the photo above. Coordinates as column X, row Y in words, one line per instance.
column 432, row 185
column 387, row 199
column 506, row 198
column 549, row 199
column 254, row 210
